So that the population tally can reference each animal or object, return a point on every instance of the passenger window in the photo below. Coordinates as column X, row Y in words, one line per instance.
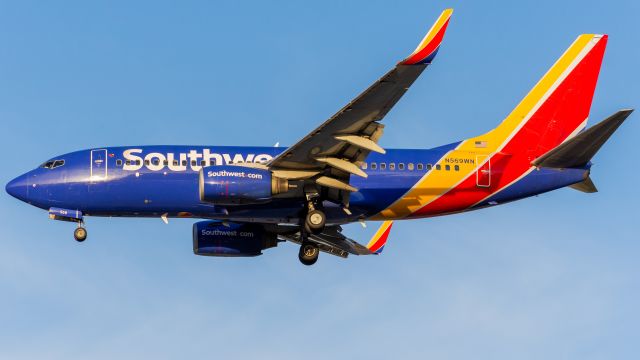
column 146, row 162
column 156, row 162
column 165, row 162
column 128, row 162
column 420, row 166
column 401, row 166
column 392, row 166
column 374, row 166
column 203, row 163
column 429, row 166
column 364, row 166
column 138, row 162
column 438, row 167
column 119, row 162
column 410, row 166
column 447, row 167
column 383, row 166
column 184, row 162
column 175, row 162
column 456, row 168
column 193, row 163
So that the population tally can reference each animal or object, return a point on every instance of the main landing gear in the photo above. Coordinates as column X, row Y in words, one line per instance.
column 314, row 222
column 308, row 254
column 80, row 233
column 315, row 218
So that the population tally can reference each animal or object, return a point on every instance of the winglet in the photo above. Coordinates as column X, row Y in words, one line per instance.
column 428, row 48
column 379, row 240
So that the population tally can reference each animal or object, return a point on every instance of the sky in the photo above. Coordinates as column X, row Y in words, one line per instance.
column 554, row 276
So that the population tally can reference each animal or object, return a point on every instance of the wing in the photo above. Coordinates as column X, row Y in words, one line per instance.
column 333, row 242
column 330, row 154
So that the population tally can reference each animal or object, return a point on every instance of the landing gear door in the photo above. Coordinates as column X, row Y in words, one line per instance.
column 483, row 173
column 98, row 165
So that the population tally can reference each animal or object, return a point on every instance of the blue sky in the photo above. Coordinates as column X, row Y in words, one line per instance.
column 555, row 276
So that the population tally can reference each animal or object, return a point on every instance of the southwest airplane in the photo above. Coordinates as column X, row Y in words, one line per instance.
column 255, row 197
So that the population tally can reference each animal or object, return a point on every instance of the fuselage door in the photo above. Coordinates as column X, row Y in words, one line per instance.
column 483, row 173
column 98, row 164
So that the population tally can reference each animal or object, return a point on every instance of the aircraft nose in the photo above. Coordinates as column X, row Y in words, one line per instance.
column 18, row 187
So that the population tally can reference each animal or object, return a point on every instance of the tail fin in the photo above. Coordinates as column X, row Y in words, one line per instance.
column 578, row 151
column 379, row 239
column 555, row 109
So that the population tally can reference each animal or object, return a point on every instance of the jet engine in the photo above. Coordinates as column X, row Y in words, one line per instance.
column 212, row 238
column 234, row 185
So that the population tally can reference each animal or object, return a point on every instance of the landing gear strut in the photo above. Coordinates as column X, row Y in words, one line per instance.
column 315, row 219
column 308, row 254
column 80, row 233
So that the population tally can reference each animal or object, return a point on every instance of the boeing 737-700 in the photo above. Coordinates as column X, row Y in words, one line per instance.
column 253, row 198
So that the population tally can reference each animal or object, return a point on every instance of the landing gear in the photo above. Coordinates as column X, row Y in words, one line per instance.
column 80, row 233
column 315, row 218
column 308, row 254
column 314, row 221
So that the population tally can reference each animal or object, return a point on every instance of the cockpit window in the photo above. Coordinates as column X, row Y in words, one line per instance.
column 52, row 164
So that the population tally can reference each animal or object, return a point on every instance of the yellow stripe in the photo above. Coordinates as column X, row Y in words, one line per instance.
column 434, row 30
column 435, row 183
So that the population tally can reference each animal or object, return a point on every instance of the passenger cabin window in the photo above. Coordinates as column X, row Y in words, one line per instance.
column 429, row 166
column 401, row 166
column 410, row 166
column 374, row 166
column 119, row 162
column 438, row 167
column 383, row 166
column 447, row 167
column 364, row 166
column 175, row 162
column 203, row 163
column 392, row 166
column 420, row 166
column 184, row 162
column 456, row 168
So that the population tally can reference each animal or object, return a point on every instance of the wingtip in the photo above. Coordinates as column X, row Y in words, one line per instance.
column 428, row 47
column 379, row 239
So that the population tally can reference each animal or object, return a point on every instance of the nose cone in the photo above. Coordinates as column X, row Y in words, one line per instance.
column 18, row 187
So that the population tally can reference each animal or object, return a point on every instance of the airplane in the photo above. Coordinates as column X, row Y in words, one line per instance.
column 253, row 198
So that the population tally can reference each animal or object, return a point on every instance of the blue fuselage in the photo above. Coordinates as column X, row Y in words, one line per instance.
column 147, row 181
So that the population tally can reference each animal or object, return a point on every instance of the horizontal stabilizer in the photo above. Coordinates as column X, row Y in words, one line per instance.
column 579, row 150
column 586, row 186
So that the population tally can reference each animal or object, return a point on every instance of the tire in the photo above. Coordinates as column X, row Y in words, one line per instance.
column 80, row 234
column 308, row 254
column 315, row 221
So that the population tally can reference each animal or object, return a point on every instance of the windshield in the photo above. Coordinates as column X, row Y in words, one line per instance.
column 52, row 164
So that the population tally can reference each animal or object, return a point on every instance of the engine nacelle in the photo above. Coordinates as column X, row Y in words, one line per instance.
column 212, row 238
column 234, row 185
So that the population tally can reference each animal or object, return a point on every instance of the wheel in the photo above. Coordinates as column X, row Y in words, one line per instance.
column 308, row 253
column 80, row 234
column 314, row 222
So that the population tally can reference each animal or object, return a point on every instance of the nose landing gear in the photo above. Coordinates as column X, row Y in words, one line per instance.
column 80, row 233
